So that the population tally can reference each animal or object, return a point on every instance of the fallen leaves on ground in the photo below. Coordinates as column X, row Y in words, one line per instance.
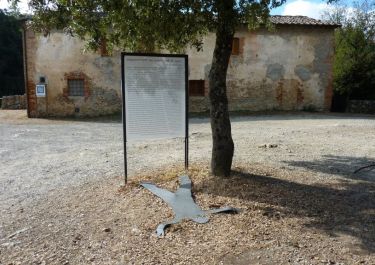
column 287, row 216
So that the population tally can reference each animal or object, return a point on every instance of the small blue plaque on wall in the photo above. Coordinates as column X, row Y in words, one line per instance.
column 40, row 90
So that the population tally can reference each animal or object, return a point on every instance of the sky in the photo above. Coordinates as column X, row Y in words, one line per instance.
column 310, row 8
column 23, row 5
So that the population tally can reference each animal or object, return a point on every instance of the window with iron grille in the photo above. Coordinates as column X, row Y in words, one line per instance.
column 76, row 87
column 196, row 88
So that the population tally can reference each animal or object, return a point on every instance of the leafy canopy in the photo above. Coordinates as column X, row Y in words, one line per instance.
column 11, row 61
column 144, row 25
column 354, row 66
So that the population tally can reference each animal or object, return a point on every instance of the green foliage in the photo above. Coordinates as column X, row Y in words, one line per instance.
column 11, row 61
column 139, row 25
column 354, row 67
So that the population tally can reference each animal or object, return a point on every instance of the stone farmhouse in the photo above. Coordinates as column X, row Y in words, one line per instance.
column 289, row 68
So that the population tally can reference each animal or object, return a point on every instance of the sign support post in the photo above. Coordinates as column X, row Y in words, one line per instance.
column 186, row 114
column 124, row 118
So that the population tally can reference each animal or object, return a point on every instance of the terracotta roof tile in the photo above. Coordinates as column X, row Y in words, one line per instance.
column 300, row 20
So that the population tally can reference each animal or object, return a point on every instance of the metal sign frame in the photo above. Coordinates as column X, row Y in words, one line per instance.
column 123, row 54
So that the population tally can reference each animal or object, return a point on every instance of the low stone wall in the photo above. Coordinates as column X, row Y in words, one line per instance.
column 199, row 104
column 361, row 106
column 13, row 102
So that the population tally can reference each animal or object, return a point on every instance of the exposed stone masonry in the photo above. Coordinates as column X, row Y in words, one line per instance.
column 13, row 102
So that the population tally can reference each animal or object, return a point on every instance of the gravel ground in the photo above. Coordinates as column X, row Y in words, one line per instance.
column 59, row 193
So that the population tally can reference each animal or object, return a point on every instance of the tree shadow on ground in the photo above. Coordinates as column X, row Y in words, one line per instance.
column 344, row 166
column 244, row 116
column 347, row 208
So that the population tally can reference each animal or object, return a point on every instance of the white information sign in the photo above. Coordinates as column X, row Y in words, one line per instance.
column 155, row 96
column 40, row 90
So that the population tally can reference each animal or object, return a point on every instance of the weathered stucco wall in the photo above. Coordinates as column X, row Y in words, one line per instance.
column 58, row 57
column 289, row 69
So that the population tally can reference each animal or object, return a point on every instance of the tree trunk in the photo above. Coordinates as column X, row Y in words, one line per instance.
column 222, row 147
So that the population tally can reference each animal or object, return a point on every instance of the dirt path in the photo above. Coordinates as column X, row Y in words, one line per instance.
column 43, row 159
